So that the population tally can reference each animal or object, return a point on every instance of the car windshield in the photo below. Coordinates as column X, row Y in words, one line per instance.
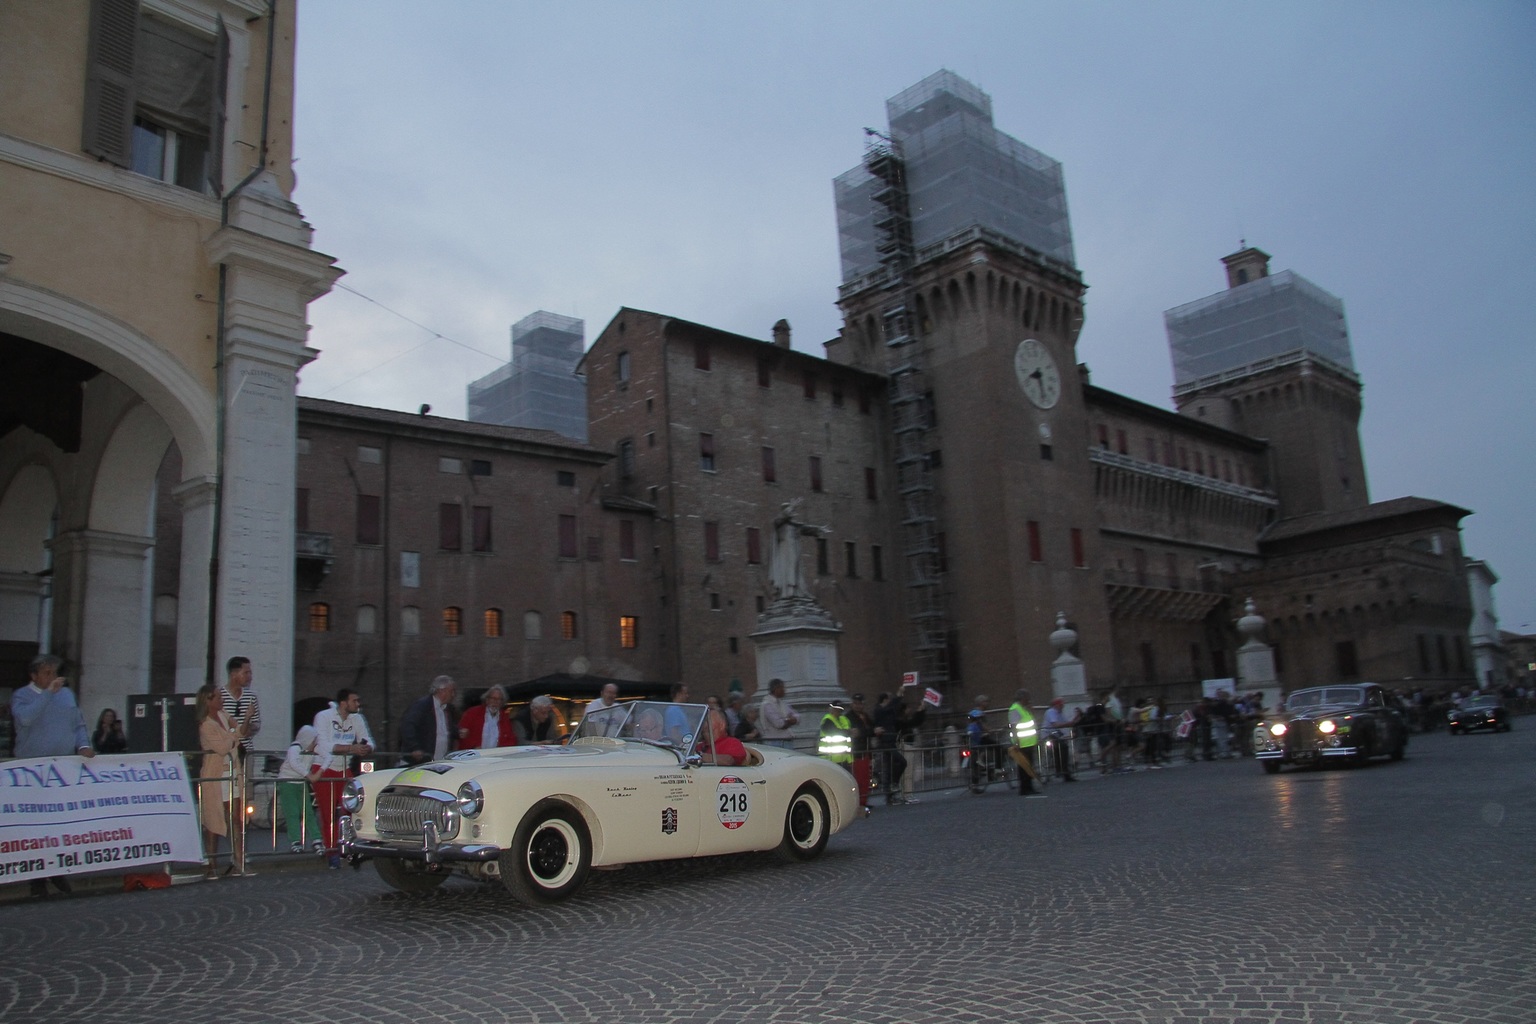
column 646, row 721
column 1483, row 702
column 1324, row 696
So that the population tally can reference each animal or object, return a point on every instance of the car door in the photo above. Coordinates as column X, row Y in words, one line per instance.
column 648, row 810
column 733, row 809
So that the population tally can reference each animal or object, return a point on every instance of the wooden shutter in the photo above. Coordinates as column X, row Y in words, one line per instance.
column 482, row 527
column 368, row 519
column 109, row 93
column 450, row 527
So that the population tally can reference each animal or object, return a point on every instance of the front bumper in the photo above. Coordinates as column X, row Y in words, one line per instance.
column 1308, row 756
column 429, row 851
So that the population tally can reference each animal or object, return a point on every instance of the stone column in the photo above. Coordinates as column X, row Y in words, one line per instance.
column 195, row 496
column 271, row 276
column 21, row 605
column 108, row 624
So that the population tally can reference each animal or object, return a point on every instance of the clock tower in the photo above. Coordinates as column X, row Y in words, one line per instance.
column 961, row 287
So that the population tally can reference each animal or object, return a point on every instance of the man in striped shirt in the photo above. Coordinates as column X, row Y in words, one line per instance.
column 240, row 702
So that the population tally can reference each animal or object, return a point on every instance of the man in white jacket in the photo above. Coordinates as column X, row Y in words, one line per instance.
column 342, row 733
column 777, row 719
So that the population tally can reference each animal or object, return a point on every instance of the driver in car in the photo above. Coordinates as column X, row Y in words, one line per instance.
column 648, row 725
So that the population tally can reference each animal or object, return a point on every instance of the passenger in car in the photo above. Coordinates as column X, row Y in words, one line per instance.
column 716, row 746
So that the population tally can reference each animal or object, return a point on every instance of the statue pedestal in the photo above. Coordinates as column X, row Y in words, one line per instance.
column 1256, row 673
column 796, row 641
column 1069, row 679
column 1256, row 659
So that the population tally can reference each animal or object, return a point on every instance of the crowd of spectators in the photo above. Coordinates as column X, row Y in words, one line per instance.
column 1106, row 735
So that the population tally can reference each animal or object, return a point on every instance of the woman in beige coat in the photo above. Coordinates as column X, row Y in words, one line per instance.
column 218, row 737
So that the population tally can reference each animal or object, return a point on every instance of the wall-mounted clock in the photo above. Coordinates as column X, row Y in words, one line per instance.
column 1037, row 373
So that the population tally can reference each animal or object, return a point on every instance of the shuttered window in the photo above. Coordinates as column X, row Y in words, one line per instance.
column 155, row 96
column 450, row 527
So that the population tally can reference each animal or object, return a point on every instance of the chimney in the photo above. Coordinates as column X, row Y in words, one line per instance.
column 781, row 334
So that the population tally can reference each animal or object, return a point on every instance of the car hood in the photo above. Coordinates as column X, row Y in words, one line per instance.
column 462, row 765
column 1326, row 711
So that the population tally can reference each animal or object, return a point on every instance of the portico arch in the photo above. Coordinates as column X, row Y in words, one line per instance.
column 183, row 402
column 96, row 609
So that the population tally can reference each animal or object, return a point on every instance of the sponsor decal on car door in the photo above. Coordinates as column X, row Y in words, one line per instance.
column 735, row 815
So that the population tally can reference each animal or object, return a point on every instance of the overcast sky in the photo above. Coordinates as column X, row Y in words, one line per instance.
column 470, row 162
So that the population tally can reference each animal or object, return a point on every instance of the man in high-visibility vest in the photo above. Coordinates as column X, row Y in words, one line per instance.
column 1021, row 723
column 836, row 740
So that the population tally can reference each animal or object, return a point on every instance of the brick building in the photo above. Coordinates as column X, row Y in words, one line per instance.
column 715, row 431
column 974, row 482
column 430, row 546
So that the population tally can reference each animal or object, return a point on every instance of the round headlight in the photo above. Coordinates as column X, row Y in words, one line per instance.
column 1326, row 726
column 471, row 799
column 352, row 796
column 1278, row 729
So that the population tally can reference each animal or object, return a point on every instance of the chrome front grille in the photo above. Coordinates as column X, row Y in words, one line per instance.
column 400, row 813
column 1302, row 735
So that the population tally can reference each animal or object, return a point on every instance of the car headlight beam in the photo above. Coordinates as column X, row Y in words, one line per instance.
column 1326, row 726
column 1277, row 730
column 470, row 800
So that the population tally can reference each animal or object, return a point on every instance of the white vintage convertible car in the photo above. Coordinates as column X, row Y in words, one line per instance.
column 632, row 785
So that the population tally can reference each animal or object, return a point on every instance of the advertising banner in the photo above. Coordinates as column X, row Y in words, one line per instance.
column 74, row 815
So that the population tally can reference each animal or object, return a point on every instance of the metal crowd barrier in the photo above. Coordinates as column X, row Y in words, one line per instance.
column 256, row 804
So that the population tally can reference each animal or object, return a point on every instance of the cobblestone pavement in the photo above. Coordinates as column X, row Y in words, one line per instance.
column 1394, row 894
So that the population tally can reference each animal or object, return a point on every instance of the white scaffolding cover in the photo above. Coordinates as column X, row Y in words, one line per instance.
column 962, row 173
column 1245, row 328
column 539, row 388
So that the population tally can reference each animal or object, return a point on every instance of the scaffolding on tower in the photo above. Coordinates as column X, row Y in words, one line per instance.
column 926, row 598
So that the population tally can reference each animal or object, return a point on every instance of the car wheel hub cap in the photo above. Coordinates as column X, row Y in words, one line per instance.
column 550, row 855
column 802, row 822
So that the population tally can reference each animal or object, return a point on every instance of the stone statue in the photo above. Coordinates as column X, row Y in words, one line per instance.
column 784, row 569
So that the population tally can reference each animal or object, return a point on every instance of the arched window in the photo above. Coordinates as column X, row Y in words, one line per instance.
column 453, row 621
column 367, row 618
column 493, row 622
column 410, row 621
column 533, row 626
column 567, row 625
column 319, row 617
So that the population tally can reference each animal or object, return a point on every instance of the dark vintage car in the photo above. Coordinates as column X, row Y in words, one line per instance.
column 1347, row 722
column 1485, row 712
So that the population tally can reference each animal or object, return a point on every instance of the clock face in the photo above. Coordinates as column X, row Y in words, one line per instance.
column 1037, row 373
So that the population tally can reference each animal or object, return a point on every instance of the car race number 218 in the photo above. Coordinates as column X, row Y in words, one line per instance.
column 731, row 801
